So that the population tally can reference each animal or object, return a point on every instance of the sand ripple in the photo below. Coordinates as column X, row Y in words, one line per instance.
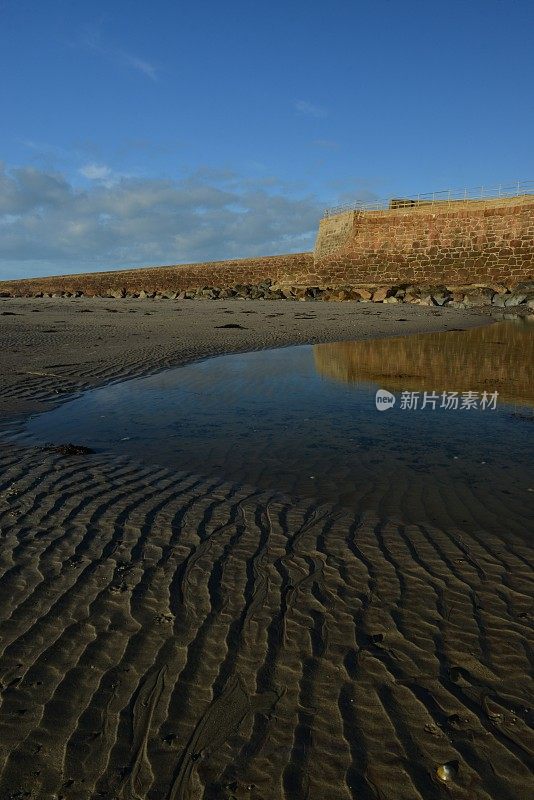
column 168, row 635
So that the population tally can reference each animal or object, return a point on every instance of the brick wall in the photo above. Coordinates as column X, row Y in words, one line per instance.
column 456, row 243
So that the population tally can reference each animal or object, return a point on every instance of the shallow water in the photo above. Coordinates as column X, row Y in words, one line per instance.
column 303, row 420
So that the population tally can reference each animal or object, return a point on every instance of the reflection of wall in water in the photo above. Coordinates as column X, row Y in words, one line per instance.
column 497, row 357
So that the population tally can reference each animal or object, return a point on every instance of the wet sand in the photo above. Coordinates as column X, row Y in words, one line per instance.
column 169, row 635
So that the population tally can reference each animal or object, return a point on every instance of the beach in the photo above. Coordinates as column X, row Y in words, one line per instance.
column 171, row 634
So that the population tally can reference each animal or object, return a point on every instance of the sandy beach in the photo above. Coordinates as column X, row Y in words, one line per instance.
column 171, row 635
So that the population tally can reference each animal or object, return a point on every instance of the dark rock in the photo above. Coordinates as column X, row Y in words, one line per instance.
column 526, row 287
column 514, row 299
column 69, row 449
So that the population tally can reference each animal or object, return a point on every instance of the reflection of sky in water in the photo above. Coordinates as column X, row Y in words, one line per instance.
column 271, row 418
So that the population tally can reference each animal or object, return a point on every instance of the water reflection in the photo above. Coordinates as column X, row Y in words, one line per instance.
column 498, row 357
column 303, row 420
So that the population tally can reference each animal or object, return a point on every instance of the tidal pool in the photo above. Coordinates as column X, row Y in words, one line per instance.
column 303, row 420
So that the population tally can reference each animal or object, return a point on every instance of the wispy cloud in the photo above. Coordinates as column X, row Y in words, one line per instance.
column 310, row 109
column 92, row 41
column 137, row 63
column 50, row 224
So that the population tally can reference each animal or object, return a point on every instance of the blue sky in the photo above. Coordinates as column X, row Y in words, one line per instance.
column 166, row 132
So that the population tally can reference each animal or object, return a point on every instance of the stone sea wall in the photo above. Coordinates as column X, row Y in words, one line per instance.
column 166, row 280
column 485, row 244
column 461, row 242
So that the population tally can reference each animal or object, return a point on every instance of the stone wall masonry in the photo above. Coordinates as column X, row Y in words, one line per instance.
column 473, row 242
column 480, row 243
column 282, row 269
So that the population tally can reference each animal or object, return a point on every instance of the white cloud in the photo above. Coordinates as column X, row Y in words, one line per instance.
column 51, row 225
column 310, row 109
column 96, row 172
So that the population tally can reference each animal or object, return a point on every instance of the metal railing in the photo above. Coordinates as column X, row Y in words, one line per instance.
column 516, row 189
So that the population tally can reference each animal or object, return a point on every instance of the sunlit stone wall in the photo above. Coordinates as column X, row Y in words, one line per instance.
column 455, row 243
column 473, row 242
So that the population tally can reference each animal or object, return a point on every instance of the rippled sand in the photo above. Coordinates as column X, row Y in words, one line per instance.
column 170, row 635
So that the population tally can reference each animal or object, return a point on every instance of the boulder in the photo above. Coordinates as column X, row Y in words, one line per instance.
column 426, row 300
column 391, row 300
column 499, row 300
column 380, row 294
column 430, row 289
column 5, row 294
column 287, row 293
column 117, row 294
column 411, row 297
column 479, row 297
column 527, row 287
column 515, row 299
column 365, row 294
